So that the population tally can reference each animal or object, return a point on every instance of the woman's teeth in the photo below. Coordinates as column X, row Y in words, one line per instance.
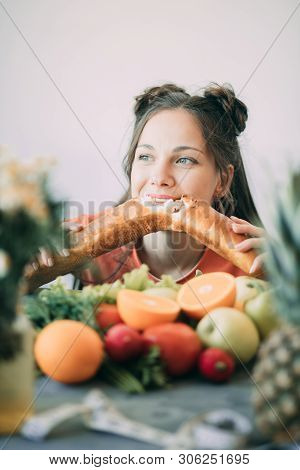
column 165, row 204
column 155, row 200
column 161, row 199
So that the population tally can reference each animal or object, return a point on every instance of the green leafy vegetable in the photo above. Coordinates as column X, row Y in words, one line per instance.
column 120, row 377
column 56, row 303
column 146, row 372
column 168, row 281
column 103, row 293
column 150, row 369
column 138, row 279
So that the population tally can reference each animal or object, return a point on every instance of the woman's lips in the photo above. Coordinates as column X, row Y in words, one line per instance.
column 163, row 200
column 160, row 196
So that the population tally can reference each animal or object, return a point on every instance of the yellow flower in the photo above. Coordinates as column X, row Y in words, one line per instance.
column 5, row 263
column 21, row 185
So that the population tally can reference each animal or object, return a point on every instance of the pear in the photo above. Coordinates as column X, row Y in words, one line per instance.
column 247, row 288
column 262, row 311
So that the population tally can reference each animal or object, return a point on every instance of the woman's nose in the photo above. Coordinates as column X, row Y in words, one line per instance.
column 161, row 180
column 162, row 177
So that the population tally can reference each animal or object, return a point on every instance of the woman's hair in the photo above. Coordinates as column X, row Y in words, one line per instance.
column 221, row 117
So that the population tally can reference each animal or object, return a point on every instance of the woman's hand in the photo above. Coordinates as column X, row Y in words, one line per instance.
column 45, row 257
column 256, row 240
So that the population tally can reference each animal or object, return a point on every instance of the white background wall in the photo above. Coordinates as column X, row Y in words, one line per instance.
column 69, row 70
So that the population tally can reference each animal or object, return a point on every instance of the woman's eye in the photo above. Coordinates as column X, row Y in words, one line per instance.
column 143, row 157
column 190, row 160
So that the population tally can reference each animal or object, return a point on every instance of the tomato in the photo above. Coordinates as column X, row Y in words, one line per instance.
column 179, row 346
column 107, row 315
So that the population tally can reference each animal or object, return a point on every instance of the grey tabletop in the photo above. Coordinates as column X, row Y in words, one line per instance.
column 163, row 409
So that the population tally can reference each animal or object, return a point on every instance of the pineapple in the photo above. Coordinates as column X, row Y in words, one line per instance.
column 276, row 398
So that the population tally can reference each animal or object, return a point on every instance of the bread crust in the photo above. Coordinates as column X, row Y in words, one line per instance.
column 134, row 219
column 213, row 230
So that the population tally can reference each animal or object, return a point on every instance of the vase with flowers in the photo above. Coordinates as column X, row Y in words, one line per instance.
column 29, row 219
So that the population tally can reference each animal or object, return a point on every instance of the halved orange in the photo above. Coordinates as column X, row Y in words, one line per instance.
column 206, row 292
column 140, row 310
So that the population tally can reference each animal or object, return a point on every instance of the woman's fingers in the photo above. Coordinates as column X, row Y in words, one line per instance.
column 39, row 260
column 248, row 229
column 258, row 263
column 239, row 220
column 72, row 226
column 64, row 252
column 45, row 258
column 257, row 240
column 249, row 244
column 31, row 267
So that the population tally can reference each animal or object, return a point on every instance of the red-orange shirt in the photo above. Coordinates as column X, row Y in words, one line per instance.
column 111, row 266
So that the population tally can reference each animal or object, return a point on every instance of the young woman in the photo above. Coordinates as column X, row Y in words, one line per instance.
column 183, row 144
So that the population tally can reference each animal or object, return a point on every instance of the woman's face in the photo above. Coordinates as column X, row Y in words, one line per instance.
column 171, row 159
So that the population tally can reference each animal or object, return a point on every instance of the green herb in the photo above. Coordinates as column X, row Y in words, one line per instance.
column 168, row 281
column 138, row 279
column 150, row 369
column 136, row 376
column 120, row 377
column 57, row 303
column 102, row 293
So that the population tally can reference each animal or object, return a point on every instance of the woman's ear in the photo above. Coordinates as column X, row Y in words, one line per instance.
column 229, row 176
column 225, row 181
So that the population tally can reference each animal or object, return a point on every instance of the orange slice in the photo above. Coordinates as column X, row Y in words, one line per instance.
column 206, row 292
column 140, row 310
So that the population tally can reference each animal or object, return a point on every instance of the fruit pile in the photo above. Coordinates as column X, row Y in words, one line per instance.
column 138, row 335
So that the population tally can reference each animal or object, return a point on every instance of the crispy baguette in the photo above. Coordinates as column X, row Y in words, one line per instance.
column 129, row 221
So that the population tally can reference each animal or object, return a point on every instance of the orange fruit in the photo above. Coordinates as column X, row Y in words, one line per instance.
column 140, row 310
column 68, row 351
column 206, row 292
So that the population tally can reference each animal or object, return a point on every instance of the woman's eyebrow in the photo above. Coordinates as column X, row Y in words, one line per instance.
column 176, row 149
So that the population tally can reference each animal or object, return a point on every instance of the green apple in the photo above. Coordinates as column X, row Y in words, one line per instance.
column 247, row 288
column 167, row 292
column 262, row 312
column 231, row 330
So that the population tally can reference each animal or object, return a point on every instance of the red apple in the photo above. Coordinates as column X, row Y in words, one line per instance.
column 123, row 343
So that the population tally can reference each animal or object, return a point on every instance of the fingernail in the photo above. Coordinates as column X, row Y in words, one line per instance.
column 50, row 262
column 35, row 266
column 252, row 269
column 65, row 252
column 73, row 227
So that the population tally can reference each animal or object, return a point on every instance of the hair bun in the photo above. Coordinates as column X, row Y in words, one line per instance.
column 233, row 107
column 150, row 94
